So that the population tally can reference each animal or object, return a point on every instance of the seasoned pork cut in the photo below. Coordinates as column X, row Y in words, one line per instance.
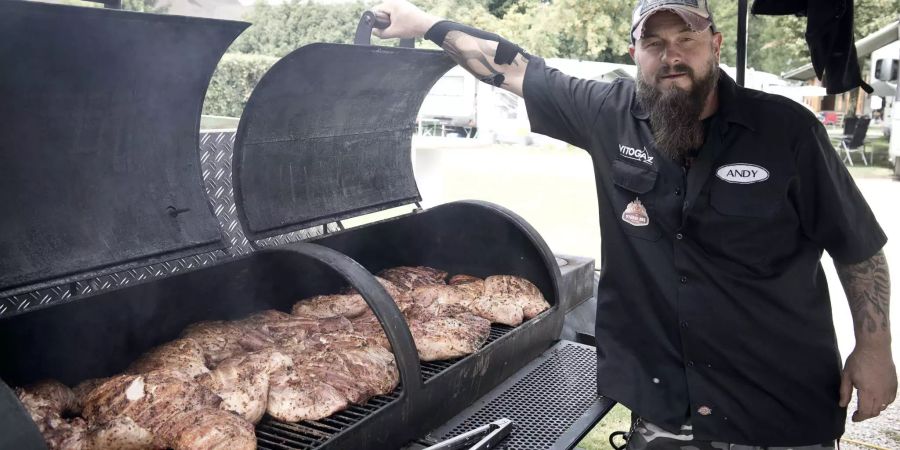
column 178, row 413
column 219, row 340
column 289, row 329
column 407, row 278
column 439, row 338
column 242, row 381
column 526, row 294
column 333, row 371
column 184, row 356
column 349, row 306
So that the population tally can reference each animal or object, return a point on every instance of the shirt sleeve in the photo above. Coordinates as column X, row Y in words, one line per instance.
column 833, row 213
column 561, row 106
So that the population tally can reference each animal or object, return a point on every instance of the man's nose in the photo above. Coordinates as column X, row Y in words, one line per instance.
column 670, row 55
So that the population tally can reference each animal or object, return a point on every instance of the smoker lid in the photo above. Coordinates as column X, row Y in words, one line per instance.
column 327, row 133
column 99, row 131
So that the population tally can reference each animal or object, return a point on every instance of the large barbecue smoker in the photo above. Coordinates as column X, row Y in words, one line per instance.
column 120, row 227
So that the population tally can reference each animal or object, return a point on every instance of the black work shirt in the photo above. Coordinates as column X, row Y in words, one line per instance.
column 716, row 310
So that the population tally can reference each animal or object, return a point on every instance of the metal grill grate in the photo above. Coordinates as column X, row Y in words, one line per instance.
column 276, row 435
column 432, row 368
column 543, row 404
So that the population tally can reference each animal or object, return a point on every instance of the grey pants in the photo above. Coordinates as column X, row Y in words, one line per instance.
column 647, row 436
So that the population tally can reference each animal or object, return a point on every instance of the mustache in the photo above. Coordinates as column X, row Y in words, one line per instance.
column 677, row 68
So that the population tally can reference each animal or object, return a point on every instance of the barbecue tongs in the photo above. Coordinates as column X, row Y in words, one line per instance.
column 481, row 438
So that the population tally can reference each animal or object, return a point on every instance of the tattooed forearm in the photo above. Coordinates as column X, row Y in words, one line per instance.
column 868, row 288
column 477, row 57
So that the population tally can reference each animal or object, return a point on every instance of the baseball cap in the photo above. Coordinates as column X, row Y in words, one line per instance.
column 695, row 14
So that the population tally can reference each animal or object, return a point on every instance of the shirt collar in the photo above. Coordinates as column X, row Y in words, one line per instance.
column 729, row 110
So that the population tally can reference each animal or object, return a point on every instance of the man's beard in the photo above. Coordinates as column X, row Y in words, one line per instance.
column 675, row 112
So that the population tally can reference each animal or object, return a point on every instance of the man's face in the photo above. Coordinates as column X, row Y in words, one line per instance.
column 677, row 74
column 671, row 55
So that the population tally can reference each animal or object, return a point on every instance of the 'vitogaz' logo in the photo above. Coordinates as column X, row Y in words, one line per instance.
column 742, row 173
column 637, row 154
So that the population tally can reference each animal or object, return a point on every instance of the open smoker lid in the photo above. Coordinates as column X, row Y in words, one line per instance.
column 99, row 130
column 326, row 135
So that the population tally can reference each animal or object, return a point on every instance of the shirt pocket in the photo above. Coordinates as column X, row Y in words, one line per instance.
column 746, row 224
column 633, row 183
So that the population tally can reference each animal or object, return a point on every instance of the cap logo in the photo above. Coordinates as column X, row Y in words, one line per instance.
column 742, row 173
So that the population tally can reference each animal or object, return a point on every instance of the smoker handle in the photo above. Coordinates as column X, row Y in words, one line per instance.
column 371, row 20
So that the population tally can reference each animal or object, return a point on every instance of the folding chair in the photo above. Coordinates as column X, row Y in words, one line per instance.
column 856, row 143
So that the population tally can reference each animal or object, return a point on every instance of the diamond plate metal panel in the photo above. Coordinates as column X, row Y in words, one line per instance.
column 215, row 156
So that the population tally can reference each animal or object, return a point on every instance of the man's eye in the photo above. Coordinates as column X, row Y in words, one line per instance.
column 652, row 44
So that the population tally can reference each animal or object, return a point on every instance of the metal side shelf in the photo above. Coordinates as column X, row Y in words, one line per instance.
column 552, row 402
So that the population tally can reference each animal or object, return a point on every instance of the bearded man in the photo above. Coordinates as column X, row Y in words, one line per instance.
column 713, row 322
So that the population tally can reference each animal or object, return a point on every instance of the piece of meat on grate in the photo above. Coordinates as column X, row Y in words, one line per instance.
column 288, row 329
column 329, row 374
column 46, row 402
column 369, row 326
column 472, row 286
column 407, row 278
column 81, row 391
column 296, row 396
column 242, row 381
column 184, row 356
column 440, row 338
column 526, row 294
column 179, row 413
column 220, row 340
column 349, row 306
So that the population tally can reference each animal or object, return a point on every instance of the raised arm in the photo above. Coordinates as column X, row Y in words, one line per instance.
column 487, row 56
column 869, row 367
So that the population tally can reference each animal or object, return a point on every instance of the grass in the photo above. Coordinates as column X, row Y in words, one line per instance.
column 618, row 419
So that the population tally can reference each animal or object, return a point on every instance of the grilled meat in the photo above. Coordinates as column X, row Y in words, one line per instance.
column 46, row 398
column 369, row 326
column 287, row 329
column 46, row 402
column 242, row 381
column 121, row 433
column 407, row 278
column 441, row 338
column 329, row 374
column 81, row 391
column 178, row 413
column 220, row 340
column 349, row 306
column 296, row 396
column 184, row 356
column 472, row 286
column 526, row 294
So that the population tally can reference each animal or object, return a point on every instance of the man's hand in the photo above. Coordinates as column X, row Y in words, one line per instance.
column 869, row 368
column 407, row 21
column 872, row 373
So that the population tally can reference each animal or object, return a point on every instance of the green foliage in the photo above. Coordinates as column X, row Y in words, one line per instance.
column 279, row 29
column 233, row 81
column 149, row 6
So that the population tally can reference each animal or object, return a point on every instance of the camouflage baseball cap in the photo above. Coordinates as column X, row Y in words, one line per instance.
column 695, row 14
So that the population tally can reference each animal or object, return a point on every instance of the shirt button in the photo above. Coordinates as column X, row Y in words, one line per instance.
column 683, row 280
column 690, row 364
column 679, row 236
column 677, row 191
column 684, row 324
column 704, row 410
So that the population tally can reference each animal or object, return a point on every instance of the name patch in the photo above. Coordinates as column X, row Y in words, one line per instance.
column 742, row 173
column 636, row 154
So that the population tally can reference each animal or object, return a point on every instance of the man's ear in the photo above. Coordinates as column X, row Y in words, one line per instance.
column 631, row 52
column 717, row 45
